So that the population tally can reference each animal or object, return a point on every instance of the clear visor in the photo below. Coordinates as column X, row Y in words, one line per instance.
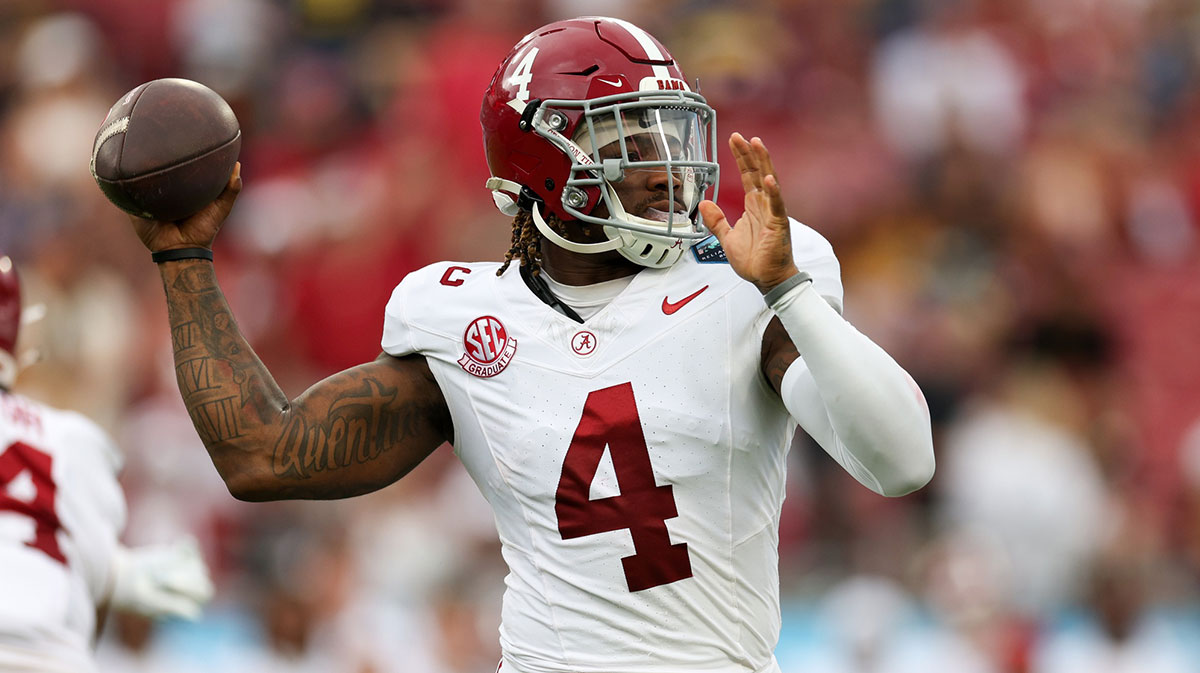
column 661, row 134
column 668, row 144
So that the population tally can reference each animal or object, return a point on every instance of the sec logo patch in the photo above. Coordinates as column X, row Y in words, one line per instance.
column 488, row 347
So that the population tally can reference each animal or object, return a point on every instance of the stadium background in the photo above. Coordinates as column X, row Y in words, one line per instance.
column 1013, row 188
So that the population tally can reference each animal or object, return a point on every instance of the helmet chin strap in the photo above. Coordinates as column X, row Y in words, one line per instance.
column 655, row 251
column 501, row 190
column 663, row 250
column 555, row 238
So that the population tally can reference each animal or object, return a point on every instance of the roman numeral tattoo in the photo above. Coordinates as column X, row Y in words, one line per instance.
column 218, row 374
column 271, row 447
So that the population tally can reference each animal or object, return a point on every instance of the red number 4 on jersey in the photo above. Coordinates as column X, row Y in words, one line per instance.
column 21, row 458
column 610, row 418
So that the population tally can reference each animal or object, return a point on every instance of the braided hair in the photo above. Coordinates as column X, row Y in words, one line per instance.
column 527, row 241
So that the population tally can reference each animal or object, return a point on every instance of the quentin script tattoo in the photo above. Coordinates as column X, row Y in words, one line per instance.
column 351, row 433
column 361, row 424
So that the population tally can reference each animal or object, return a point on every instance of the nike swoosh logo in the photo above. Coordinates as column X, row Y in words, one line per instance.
column 616, row 83
column 670, row 307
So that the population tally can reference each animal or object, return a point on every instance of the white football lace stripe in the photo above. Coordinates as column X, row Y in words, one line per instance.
column 118, row 126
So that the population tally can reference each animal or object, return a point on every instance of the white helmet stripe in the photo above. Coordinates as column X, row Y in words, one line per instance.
column 652, row 51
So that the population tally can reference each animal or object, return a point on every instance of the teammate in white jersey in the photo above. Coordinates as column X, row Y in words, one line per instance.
column 624, row 397
column 61, row 514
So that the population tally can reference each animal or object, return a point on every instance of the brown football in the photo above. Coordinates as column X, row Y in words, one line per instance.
column 166, row 149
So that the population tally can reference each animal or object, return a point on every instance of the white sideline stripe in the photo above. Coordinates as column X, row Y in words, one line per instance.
column 652, row 51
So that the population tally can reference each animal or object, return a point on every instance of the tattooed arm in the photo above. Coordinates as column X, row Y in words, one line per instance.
column 354, row 432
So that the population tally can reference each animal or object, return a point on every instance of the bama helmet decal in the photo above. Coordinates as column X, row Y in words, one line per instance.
column 487, row 347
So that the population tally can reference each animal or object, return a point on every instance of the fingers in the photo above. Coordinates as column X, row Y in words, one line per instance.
column 202, row 227
column 175, row 606
column 758, row 177
column 199, row 229
column 764, row 157
column 753, row 160
column 775, row 199
column 144, row 228
column 182, row 585
column 232, row 189
column 714, row 218
column 747, row 168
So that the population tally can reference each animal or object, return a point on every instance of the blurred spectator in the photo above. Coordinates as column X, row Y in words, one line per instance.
column 873, row 625
column 228, row 44
column 134, row 647
column 1121, row 632
column 1013, row 468
column 948, row 80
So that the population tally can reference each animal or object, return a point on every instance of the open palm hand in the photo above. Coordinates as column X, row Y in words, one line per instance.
column 759, row 245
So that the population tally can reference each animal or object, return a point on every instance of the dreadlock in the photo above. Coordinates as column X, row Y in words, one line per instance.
column 527, row 241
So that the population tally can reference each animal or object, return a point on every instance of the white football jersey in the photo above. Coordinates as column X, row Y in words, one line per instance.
column 61, row 511
column 635, row 462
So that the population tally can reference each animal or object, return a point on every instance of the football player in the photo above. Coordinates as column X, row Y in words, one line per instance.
column 624, row 396
column 61, row 513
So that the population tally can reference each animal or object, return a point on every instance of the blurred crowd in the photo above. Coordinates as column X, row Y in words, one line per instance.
column 1013, row 189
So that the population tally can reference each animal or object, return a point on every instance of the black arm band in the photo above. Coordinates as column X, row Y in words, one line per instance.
column 181, row 253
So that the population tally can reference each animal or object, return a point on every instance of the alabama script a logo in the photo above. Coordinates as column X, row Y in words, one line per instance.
column 488, row 347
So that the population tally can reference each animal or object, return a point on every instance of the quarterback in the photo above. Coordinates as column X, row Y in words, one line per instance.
column 624, row 395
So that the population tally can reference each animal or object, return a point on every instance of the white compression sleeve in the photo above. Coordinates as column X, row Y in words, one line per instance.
column 853, row 398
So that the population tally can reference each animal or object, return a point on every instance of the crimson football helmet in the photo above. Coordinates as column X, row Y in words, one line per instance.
column 10, row 321
column 576, row 106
